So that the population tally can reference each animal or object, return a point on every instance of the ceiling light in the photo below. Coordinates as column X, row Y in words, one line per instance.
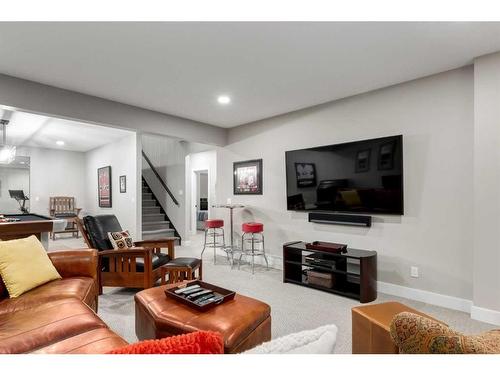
column 224, row 99
column 60, row 143
column 7, row 154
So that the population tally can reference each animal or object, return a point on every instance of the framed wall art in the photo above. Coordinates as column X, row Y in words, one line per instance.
column 247, row 177
column 123, row 184
column 104, row 189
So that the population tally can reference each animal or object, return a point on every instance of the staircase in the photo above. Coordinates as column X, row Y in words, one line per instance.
column 155, row 222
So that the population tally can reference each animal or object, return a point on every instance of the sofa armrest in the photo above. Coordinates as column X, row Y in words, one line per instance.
column 71, row 263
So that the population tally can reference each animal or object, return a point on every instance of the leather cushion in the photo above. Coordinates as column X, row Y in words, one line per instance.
column 98, row 227
column 158, row 260
column 157, row 317
column 32, row 329
column 96, row 341
column 184, row 262
column 81, row 288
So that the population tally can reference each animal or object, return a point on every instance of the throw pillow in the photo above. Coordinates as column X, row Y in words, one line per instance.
column 24, row 265
column 120, row 240
column 200, row 342
column 415, row 334
column 317, row 341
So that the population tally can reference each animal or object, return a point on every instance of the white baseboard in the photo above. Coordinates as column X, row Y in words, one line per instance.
column 485, row 315
column 442, row 300
column 432, row 298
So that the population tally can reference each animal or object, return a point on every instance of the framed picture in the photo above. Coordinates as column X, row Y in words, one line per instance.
column 306, row 174
column 104, row 187
column 123, row 184
column 247, row 177
column 386, row 155
column 363, row 161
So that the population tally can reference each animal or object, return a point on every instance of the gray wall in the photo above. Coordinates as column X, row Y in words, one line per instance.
column 121, row 155
column 435, row 116
column 486, row 261
column 55, row 173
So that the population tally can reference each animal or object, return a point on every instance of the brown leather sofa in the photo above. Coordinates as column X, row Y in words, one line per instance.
column 58, row 317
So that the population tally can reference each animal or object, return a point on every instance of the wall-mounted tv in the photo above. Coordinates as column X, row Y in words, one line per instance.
column 359, row 177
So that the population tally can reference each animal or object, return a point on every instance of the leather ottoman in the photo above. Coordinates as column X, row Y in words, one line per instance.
column 244, row 322
column 371, row 327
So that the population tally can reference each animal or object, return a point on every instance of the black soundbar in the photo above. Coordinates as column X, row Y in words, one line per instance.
column 340, row 219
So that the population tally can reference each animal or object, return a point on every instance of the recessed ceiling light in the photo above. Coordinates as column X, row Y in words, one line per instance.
column 60, row 143
column 224, row 99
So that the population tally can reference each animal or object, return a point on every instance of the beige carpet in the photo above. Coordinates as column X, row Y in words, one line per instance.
column 293, row 308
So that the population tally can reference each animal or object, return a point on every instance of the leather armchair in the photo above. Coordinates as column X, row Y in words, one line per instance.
column 136, row 267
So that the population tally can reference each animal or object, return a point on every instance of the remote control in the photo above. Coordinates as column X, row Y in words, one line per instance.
column 203, row 298
column 182, row 290
column 209, row 300
column 200, row 293
column 192, row 291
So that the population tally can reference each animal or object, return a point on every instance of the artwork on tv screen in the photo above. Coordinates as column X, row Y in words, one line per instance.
column 360, row 177
column 306, row 174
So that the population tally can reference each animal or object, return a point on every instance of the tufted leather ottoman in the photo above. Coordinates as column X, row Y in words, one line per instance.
column 244, row 322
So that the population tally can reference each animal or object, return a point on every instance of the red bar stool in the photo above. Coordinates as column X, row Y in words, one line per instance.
column 214, row 236
column 252, row 235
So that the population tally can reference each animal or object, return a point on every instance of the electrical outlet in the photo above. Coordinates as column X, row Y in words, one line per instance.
column 414, row 271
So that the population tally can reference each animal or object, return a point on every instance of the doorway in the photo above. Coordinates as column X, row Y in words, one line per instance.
column 201, row 199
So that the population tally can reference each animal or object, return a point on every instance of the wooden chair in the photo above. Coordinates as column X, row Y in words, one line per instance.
column 64, row 208
column 136, row 267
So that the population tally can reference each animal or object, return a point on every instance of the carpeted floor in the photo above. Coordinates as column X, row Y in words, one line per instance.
column 293, row 308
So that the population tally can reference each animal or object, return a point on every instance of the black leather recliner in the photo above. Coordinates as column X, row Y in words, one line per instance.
column 136, row 267
column 98, row 227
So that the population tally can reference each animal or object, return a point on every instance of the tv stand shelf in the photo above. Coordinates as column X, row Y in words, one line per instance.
column 354, row 272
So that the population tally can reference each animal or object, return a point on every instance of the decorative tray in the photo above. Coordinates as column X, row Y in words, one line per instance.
column 202, row 298
column 330, row 247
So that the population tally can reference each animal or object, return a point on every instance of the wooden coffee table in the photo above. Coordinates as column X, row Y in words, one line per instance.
column 244, row 322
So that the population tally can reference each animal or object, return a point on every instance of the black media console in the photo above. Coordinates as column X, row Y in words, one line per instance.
column 351, row 274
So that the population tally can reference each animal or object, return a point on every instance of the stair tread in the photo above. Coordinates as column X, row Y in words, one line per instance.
column 155, row 231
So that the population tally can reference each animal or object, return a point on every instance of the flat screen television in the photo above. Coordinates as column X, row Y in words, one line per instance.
column 359, row 177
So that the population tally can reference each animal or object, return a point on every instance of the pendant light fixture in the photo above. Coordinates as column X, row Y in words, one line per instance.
column 7, row 153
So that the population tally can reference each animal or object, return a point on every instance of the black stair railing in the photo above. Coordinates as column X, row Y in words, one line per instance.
column 163, row 183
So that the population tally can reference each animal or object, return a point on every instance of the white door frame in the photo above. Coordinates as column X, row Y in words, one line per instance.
column 194, row 201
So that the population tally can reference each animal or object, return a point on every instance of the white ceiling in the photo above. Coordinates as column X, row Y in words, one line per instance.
column 267, row 68
column 27, row 129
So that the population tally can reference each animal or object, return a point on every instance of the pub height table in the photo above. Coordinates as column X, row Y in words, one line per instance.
column 232, row 248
